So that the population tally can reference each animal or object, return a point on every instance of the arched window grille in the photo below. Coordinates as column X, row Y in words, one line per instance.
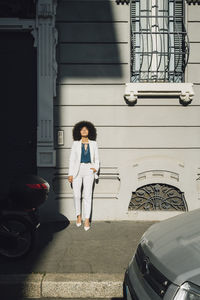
column 159, row 42
column 158, row 196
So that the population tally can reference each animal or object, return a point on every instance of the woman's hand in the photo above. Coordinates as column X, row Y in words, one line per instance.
column 70, row 179
column 94, row 170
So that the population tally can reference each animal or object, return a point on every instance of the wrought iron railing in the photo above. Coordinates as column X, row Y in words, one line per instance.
column 159, row 41
column 193, row 2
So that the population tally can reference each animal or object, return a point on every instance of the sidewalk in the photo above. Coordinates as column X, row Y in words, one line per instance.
column 69, row 262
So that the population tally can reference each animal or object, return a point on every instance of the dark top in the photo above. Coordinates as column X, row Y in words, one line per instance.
column 85, row 154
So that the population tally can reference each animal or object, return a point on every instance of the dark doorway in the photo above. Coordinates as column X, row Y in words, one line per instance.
column 18, row 110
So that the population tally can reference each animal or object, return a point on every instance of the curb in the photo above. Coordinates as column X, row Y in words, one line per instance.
column 62, row 285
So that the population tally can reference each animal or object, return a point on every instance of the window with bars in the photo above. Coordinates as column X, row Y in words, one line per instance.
column 159, row 41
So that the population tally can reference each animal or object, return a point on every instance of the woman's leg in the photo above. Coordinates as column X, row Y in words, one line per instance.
column 88, row 180
column 77, row 182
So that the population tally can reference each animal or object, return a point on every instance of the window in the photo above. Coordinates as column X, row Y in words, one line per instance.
column 159, row 42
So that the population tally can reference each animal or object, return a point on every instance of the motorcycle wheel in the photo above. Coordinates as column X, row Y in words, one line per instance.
column 17, row 237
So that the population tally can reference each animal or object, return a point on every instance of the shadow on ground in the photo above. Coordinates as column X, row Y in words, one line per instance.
column 45, row 236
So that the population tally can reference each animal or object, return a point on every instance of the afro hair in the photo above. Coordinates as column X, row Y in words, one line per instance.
column 92, row 135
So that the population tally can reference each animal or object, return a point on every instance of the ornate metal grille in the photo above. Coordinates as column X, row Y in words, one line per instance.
column 193, row 2
column 159, row 42
column 158, row 196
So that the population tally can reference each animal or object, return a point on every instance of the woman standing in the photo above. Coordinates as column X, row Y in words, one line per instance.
column 83, row 167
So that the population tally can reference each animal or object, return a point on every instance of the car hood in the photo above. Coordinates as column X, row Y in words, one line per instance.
column 173, row 246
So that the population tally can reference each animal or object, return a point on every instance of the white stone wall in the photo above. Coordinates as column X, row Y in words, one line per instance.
column 156, row 137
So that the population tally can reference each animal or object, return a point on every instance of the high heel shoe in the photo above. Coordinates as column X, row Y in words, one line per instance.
column 78, row 224
column 86, row 228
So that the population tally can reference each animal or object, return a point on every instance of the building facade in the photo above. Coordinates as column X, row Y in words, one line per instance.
column 131, row 68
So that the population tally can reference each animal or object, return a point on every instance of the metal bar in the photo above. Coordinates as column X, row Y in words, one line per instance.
column 160, row 46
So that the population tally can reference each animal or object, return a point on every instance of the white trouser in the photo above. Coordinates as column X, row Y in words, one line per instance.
column 85, row 175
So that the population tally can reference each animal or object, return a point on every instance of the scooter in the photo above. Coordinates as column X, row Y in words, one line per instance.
column 19, row 216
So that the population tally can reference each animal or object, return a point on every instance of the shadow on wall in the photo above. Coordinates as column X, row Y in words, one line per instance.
column 88, row 48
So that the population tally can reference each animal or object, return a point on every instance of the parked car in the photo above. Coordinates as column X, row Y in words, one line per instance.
column 166, row 264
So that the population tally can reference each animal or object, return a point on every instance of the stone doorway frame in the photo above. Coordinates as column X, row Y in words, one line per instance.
column 45, row 39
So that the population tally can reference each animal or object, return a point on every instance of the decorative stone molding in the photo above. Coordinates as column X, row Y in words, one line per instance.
column 182, row 90
column 158, row 174
column 107, row 186
column 150, row 170
column 46, row 40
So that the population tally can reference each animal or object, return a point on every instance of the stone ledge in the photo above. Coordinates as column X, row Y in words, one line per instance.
column 21, row 285
column 70, row 285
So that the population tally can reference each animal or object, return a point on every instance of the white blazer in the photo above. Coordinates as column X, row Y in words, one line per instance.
column 75, row 157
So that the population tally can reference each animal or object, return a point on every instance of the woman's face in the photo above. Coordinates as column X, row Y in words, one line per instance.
column 84, row 131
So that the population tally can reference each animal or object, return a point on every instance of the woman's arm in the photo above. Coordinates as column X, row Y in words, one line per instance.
column 96, row 157
column 71, row 160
